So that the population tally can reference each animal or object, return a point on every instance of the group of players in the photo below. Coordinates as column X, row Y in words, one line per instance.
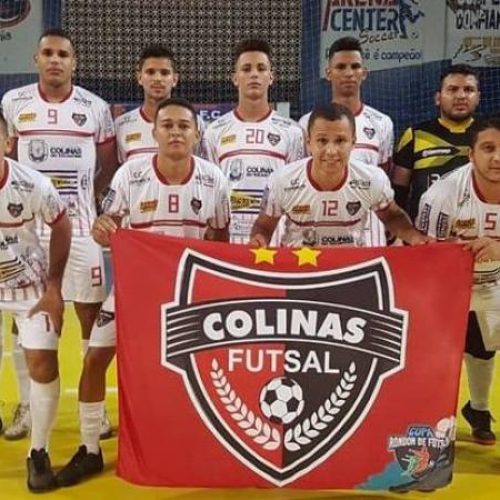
column 60, row 150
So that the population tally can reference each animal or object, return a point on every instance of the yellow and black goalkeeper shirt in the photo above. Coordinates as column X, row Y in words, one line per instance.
column 430, row 150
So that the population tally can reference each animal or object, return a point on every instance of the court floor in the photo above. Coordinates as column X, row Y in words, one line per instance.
column 477, row 468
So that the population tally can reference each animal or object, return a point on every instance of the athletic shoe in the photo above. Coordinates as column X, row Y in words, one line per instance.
column 81, row 466
column 20, row 426
column 40, row 475
column 480, row 422
column 106, row 431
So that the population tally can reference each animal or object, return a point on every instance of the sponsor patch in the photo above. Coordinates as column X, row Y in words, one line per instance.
column 133, row 137
column 27, row 117
column 301, row 209
column 148, row 206
column 228, row 139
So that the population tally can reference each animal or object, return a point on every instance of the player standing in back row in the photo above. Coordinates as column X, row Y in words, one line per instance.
column 252, row 141
column 65, row 132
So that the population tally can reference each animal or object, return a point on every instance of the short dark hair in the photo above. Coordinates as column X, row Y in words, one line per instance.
column 458, row 69
column 157, row 51
column 4, row 129
column 331, row 112
column 482, row 124
column 344, row 43
column 57, row 32
column 177, row 101
column 252, row 45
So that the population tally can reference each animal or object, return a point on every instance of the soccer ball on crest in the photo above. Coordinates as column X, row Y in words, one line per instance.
column 281, row 400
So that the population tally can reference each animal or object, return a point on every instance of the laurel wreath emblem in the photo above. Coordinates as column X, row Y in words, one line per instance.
column 261, row 432
column 304, row 432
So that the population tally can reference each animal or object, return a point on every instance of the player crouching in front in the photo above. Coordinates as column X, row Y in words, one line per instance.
column 326, row 199
column 171, row 182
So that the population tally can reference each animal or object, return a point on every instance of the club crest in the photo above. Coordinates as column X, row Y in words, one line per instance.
column 284, row 369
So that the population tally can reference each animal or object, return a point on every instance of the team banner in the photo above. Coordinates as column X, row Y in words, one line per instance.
column 306, row 368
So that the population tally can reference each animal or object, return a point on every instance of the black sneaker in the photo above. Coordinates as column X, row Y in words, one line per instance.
column 40, row 475
column 480, row 422
column 82, row 465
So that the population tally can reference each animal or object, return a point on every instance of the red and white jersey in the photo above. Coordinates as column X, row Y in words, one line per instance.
column 453, row 207
column 25, row 195
column 134, row 136
column 139, row 192
column 374, row 136
column 326, row 218
column 59, row 139
column 248, row 153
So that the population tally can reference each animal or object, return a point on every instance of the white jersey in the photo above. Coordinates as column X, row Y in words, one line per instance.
column 59, row 139
column 25, row 195
column 325, row 218
column 140, row 192
column 453, row 207
column 134, row 136
column 248, row 153
column 374, row 145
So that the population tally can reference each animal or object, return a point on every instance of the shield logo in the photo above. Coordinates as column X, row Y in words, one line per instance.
column 235, row 170
column 353, row 207
column 369, row 132
column 196, row 205
column 273, row 138
column 79, row 118
column 38, row 150
column 15, row 209
column 285, row 369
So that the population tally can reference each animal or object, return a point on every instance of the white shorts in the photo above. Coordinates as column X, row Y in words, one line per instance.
column 84, row 277
column 103, row 332
column 36, row 332
column 485, row 301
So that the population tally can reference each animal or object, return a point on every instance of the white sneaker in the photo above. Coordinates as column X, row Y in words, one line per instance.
column 20, row 426
column 106, row 430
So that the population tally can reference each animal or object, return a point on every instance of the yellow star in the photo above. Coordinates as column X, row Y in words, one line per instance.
column 307, row 255
column 264, row 255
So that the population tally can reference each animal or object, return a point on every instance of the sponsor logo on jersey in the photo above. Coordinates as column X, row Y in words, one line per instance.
column 301, row 209
column 424, row 219
column 104, row 318
column 84, row 102
column 242, row 201
column 84, row 182
column 61, row 182
column 133, row 137
column 369, row 132
column 285, row 348
column 256, row 171
column 465, row 223
column 23, row 186
column 227, row 139
column 309, row 237
column 79, row 118
column 353, row 207
column 442, row 225
column 15, row 209
column 65, row 152
column 235, row 170
column 295, row 184
column 421, row 448
column 38, row 150
column 337, row 240
column 273, row 138
column 438, row 152
column 359, row 184
column 27, row 117
column 108, row 199
column 9, row 240
column 205, row 180
column 148, row 206
column 196, row 205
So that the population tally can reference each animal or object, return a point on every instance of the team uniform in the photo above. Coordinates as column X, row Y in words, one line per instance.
column 248, row 153
column 59, row 140
column 454, row 207
column 139, row 192
column 24, row 196
column 326, row 218
column 134, row 136
column 374, row 145
column 430, row 150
